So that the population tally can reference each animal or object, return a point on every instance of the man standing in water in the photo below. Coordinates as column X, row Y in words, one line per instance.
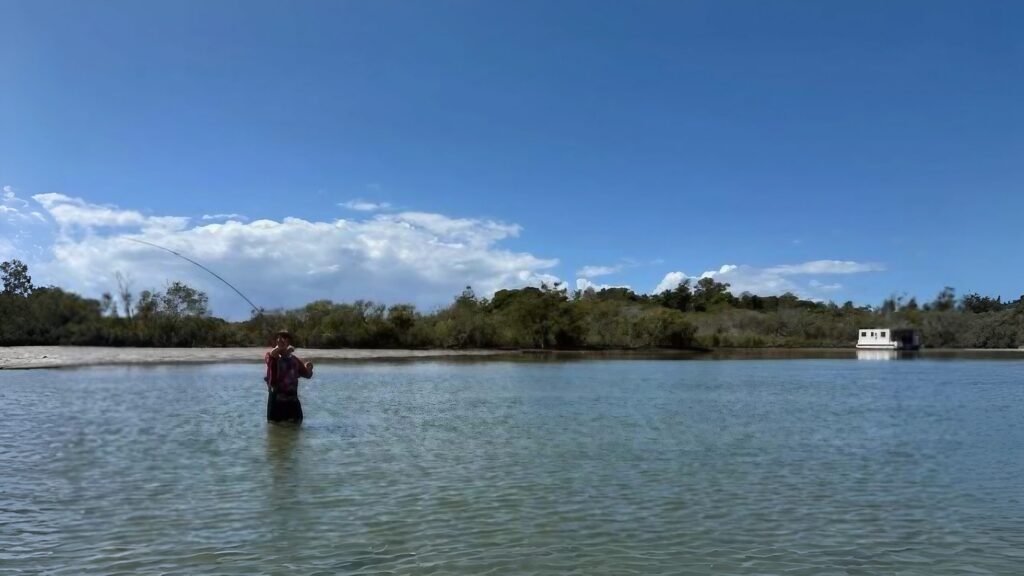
column 283, row 371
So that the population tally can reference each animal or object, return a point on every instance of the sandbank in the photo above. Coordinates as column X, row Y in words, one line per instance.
column 28, row 357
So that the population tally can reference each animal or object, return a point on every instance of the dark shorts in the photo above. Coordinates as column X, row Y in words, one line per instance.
column 283, row 409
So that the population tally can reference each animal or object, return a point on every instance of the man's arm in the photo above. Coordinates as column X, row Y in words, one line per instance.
column 305, row 368
column 267, row 359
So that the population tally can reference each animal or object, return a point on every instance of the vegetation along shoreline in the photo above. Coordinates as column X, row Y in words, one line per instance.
column 703, row 315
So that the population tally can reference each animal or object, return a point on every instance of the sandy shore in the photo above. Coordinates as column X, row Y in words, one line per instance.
column 25, row 357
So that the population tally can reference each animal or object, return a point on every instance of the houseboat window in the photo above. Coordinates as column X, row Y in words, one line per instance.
column 864, row 333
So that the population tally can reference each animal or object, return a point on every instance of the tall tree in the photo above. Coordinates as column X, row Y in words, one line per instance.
column 946, row 300
column 978, row 304
column 679, row 298
column 180, row 299
column 16, row 280
column 710, row 293
column 124, row 291
column 107, row 305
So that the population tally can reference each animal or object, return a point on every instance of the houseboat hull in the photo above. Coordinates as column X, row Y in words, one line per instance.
column 892, row 346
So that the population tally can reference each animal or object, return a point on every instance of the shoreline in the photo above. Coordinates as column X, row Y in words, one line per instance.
column 38, row 357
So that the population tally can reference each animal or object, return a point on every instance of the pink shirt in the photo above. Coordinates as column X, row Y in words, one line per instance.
column 283, row 375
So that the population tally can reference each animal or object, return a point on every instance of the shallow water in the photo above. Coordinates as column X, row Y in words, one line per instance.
column 583, row 467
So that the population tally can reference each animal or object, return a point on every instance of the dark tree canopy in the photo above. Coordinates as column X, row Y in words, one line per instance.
column 546, row 317
column 16, row 279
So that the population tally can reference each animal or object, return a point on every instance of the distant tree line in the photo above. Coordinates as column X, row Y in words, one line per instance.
column 704, row 314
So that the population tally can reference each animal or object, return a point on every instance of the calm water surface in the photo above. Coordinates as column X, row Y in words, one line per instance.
column 611, row 467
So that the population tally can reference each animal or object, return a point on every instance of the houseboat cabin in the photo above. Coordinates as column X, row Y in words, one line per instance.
column 888, row 339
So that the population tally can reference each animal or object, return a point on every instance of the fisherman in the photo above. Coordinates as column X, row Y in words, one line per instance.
column 283, row 371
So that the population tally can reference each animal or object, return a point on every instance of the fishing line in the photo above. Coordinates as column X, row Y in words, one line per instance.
column 255, row 308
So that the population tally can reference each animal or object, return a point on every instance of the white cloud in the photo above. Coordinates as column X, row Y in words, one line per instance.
column 585, row 283
column 11, row 207
column 725, row 269
column 7, row 250
column 74, row 214
column 825, row 287
column 825, row 267
column 595, row 271
column 22, row 229
column 457, row 230
column 360, row 205
column 669, row 282
column 673, row 279
column 417, row 257
column 238, row 217
column 775, row 280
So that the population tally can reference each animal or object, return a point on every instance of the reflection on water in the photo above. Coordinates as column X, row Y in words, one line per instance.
column 888, row 354
column 281, row 438
column 877, row 354
column 282, row 451
column 598, row 467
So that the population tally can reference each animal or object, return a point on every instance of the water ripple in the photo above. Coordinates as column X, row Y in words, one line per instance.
column 757, row 467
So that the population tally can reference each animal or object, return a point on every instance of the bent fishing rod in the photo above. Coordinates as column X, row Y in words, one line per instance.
column 256, row 309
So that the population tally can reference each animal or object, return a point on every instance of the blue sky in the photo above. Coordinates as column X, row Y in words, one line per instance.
column 842, row 151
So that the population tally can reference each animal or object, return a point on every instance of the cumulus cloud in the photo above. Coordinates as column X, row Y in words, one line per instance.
column 583, row 284
column 74, row 214
column 458, row 230
column 238, row 217
column 673, row 279
column 418, row 257
column 825, row 287
column 360, row 205
column 670, row 281
column 825, row 267
column 595, row 271
column 775, row 280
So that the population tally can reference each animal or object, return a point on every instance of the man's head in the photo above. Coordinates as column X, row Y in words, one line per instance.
column 283, row 338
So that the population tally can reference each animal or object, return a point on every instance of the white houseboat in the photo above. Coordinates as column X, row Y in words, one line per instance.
column 888, row 339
